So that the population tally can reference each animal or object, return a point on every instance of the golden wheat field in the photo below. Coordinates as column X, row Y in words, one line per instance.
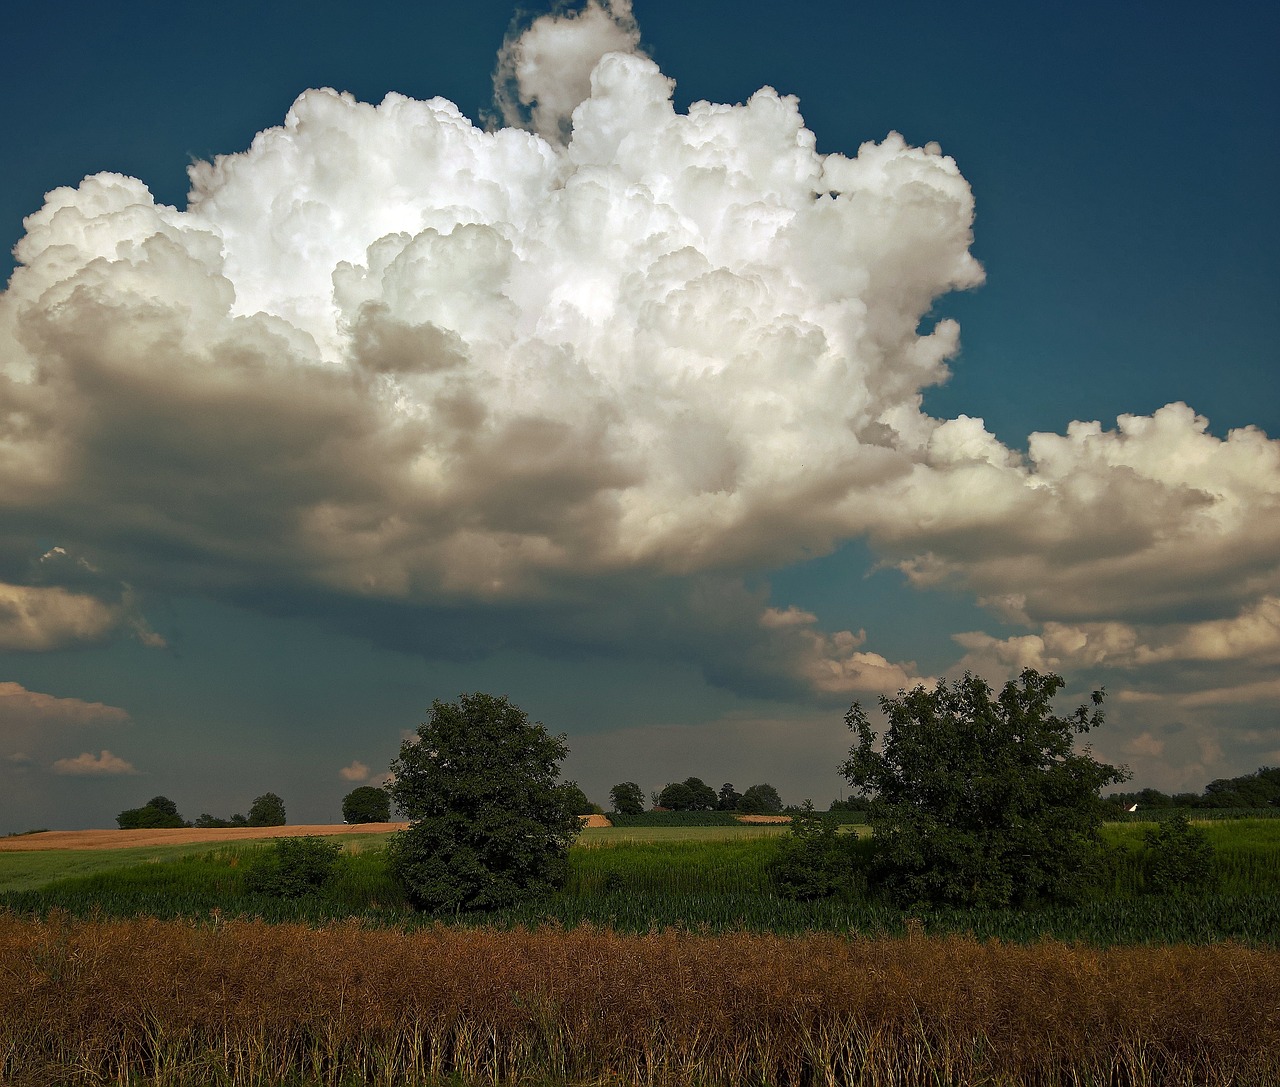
column 248, row 1003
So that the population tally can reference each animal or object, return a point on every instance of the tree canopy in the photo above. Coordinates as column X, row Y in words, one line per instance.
column 977, row 799
column 489, row 824
column 627, row 798
column 267, row 810
column 692, row 794
column 366, row 804
column 159, row 811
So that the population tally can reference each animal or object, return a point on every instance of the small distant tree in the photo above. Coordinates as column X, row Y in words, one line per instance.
column 366, row 804
column 490, row 825
column 157, row 812
column 978, row 799
column 267, row 810
column 760, row 800
column 627, row 798
column 728, row 798
column 676, row 797
column 1177, row 857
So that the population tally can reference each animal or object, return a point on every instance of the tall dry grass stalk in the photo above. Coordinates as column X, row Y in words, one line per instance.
column 245, row 1003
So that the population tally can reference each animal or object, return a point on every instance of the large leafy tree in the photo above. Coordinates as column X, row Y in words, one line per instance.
column 627, row 798
column 981, row 799
column 159, row 811
column 760, row 800
column 267, row 810
column 366, row 804
column 489, row 825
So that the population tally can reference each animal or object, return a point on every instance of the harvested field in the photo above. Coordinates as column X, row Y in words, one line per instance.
column 124, row 839
column 764, row 818
column 595, row 821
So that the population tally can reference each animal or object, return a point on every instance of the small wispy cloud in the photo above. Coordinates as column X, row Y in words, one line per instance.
column 357, row 771
column 90, row 765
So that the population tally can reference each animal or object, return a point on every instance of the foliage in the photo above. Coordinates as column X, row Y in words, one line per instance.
column 1178, row 856
column 728, row 797
column 814, row 861
column 490, row 826
column 267, row 810
column 627, row 798
column 692, row 794
column 979, row 800
column 760, row 800
column 207, row 820
column 577, row 800
column 292, row 867
column 366, row 804
column 677, row 819
column 159, row 811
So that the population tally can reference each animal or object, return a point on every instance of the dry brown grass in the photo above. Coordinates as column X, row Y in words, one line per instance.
column 123, row 839
column 247, row 1003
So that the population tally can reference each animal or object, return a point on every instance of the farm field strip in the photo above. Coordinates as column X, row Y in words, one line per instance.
column 171, row 1002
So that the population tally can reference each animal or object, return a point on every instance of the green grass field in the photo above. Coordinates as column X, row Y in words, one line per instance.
column 641, row 878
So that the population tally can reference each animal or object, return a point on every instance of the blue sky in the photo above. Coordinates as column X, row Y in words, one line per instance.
column 221, row 577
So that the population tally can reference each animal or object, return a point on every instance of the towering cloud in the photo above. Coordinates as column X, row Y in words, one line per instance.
column 387, row 356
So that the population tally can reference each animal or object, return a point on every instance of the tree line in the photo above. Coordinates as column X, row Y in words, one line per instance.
column 694, row 794
column 365, row 804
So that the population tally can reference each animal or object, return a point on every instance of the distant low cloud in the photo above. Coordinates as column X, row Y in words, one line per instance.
column 32, row 711
column 89, row 765
column 357, row 771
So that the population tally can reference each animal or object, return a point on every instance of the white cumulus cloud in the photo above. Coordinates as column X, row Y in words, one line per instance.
column 386, row 356
column 90, row 765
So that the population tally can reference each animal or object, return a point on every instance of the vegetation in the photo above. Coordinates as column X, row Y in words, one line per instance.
column 1258, row 790
column 366, row 804
column 981, row 800
column 267, row 810
column 760, row 800
column 182, row 1004
column 159, row 811
column 627, row 798
column 293, row 867
column 489, row 824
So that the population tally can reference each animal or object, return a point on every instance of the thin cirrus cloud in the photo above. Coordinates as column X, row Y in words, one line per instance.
column 608, row 358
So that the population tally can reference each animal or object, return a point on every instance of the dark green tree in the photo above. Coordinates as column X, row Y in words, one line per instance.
column 701, row 796
column 978, row 799
column 266, row 810
column 366, row 804
column 489, row 825
column 159, row 811
column 627, row 798
column 760, row 800
column 728, row 798
column 676, row 797
column 577, row 799
column 1177, row 857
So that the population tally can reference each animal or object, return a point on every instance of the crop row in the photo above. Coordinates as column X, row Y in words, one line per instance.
column 245, row 1004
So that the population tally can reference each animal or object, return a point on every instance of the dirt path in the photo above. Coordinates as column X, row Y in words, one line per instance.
column 123, row 839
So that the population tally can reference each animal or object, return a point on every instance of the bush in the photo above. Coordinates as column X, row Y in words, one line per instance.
column 814, row 861
column 293, row 867
column 1177, row 857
